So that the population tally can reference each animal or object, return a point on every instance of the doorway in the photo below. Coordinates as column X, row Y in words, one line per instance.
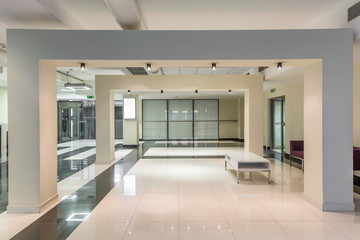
column 68, row 121
column 277, row 122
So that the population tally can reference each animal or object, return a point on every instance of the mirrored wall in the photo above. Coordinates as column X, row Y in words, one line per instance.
column 180, row 119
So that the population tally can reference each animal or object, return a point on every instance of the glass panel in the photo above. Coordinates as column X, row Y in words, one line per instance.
column 154, row 130
column 206, row 130
column 154, row 119
column 154, row 110
column 180, row 110
column 180, row 119
column 277, row 112
column 277, row 137
column 206, row 110
column 180, row 130
column 206, row 118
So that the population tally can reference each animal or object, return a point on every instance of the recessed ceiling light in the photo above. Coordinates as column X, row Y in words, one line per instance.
column 230, row 91
column 279, row 65
column 129, row 91
column 82, row 66
column 148, row 67
column 196, row 91
column 213, row 66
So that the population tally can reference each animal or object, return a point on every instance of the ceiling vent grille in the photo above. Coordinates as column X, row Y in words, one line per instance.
column 137, row 71
column 354, row 12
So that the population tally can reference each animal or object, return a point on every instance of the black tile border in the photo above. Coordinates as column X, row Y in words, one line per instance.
column 53, row 224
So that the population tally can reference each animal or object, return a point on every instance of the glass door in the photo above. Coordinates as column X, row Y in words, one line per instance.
column 277, row 109
column 68, row 127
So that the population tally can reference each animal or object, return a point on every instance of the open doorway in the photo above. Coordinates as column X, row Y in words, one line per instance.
column 277, row 123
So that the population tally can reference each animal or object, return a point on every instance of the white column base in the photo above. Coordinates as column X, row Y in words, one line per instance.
column 26, row 209
column 330, row 207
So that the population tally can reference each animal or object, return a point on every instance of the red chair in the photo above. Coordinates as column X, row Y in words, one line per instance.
column 297, row 151
column 356, row 158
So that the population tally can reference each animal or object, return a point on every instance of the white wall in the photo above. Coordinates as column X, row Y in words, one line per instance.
column 294, row 113
column 231, row 115
column 356, row 106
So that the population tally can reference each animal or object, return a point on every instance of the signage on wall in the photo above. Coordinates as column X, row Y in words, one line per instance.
column 273, row 90
column 129, row 108
column 90, row 97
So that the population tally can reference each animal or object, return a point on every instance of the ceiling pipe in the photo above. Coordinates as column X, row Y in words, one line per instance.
column 126, row 13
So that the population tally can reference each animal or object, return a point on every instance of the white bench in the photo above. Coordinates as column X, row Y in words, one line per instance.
column 247, row 162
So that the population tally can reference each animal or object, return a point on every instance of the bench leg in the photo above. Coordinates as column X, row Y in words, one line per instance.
column 269, row 175
column 237, row 177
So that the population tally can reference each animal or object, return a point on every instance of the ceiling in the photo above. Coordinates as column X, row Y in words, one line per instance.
column 172, row 15
column 166, row 14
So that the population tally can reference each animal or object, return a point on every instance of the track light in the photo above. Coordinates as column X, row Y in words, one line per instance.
column 129, row 91
column 82, row 66
column 279, row 65
column 148, row 67
column 230, row 91
column 213, row 66
column 196, row 91
column 161, row 91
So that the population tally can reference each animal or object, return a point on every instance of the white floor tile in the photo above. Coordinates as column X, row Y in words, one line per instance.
column 199, row 207
column 101, row 231
column 258, row 231
column 157, row 207
column 205, row 231
column 152, row 231
column 311, row 231
column 349, row 229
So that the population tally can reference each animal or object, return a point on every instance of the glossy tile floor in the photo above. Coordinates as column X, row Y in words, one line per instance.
column 198, row 199
column 166, row 197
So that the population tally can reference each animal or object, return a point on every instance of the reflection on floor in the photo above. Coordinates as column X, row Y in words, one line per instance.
column 167, row 197
column 197, row 199
column 4, row 176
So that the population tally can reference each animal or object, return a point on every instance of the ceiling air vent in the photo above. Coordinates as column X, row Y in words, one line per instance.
column 354, row 12
column 137, row 71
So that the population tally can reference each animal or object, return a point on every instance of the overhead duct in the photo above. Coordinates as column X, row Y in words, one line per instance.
column 126, row 13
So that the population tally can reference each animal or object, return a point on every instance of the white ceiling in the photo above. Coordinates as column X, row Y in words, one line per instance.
column 172, row 15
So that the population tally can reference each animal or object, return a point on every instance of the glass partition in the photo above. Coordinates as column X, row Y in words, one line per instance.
column 206, row 119
column 180, row 119
column 154, row 119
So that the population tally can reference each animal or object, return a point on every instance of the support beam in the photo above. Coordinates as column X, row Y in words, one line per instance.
column 32, row 128
column 105, row 127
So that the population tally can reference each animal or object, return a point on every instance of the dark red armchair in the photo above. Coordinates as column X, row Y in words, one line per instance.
column 297, row 150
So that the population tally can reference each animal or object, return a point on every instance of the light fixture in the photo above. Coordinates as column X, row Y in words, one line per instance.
column 129, row 91
column 196, row 91
column 229, row 91
column 148, row 67
column 279, row 65
column 161, row 91
column 82, row 66
column 77, row 86
column 213, row 66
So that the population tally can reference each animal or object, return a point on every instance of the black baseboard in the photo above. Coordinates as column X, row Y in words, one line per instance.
column 287, row 156
column 130, row 146
column 232, row 139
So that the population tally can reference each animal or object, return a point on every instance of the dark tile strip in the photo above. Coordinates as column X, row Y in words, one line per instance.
column 59, row 148
column 53, row 224
column 67, row 168
column 4, row 186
